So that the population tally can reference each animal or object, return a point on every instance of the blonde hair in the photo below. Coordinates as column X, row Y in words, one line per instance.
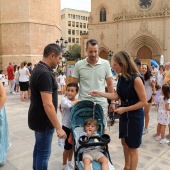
column 128, row 65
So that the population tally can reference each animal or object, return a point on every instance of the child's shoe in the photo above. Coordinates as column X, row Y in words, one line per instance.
column 157, row 138
column 70, row 164
column 66, row 167
column 164, row 141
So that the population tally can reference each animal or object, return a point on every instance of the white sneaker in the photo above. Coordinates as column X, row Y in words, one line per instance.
column 13, row 92
column 157, row 138
column 70, row 164
column 164, row 141
column 67, row 167
column 145, row 131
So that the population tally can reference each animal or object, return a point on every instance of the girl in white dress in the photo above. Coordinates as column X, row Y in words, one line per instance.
column 163, row 114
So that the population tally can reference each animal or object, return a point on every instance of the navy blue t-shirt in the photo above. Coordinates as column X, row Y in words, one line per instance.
column 42, row 80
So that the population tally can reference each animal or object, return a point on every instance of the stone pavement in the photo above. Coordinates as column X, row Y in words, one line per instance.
column 152, row 155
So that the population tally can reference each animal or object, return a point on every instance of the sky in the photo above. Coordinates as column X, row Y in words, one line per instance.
column 77, row 4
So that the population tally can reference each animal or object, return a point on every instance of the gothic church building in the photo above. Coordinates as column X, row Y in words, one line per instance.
column 141, row 27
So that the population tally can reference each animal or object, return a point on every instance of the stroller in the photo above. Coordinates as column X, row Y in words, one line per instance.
column 80, row 112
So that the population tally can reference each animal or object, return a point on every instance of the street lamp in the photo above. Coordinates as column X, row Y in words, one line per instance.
column 63, row 44
column 110, row 54
column 66, row 55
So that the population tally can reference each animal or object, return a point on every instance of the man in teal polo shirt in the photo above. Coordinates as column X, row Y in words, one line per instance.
column 93, row 73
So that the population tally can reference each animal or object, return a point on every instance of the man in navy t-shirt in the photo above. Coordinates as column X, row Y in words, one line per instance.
column 42, row 115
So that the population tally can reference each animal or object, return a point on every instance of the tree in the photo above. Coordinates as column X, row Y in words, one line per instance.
column 75, row 52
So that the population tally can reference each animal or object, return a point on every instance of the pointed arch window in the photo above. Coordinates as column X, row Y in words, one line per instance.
column 102, row 14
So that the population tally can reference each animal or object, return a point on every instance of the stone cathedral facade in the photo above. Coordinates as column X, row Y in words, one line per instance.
column 141, row 27
column 26, row 27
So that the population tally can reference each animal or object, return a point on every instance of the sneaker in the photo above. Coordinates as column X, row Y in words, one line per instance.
column 13, row 92
column 164, row 141
column 145, row 131
column 67, row 167
column 157, row 138
column 70, row 164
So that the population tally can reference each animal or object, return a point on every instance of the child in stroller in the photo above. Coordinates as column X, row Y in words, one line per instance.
column 93, row 152
column 82, row 111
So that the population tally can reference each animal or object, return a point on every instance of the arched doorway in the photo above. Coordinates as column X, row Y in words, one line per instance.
column 144, row 53
column 103, row 54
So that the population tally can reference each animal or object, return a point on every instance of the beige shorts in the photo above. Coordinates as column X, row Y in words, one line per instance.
column 93, row 154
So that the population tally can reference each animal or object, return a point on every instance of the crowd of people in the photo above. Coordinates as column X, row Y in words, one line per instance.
column 137, row 89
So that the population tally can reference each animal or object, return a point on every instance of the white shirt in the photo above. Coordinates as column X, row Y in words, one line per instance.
column 62, row 79
column 23, row 77
column 160, row 79
column 66, row 105
column 2, row 77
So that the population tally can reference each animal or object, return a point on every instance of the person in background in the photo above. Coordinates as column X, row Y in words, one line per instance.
column 157, row 95
column 29, row 66
column 2, row 77
column 167, row 73
column 42, row 114
column 133, row 99
column 24, row 81
column 11, row 82
column 66, row 104
column 150, row 89
column 163, row 114
column 160, row 75
column 62, row 81
column 138, row 64
column 4, row 133
column 94, row 73
column 17, row 80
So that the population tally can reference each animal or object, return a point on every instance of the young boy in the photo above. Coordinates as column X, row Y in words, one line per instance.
column 93, row 152
column 66, row 104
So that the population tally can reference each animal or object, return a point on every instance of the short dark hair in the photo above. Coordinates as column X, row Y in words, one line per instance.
column 157, row 86
column 137, row 62
column 29, row 64
column 52, row 48
column 73, row 85
column 93, row 42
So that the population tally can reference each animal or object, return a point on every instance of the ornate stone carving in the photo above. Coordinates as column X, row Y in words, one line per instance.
column 142, row 14
column 144, row 26
column 102, row 36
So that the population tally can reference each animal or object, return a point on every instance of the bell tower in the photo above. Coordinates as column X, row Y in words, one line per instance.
column 26, row 27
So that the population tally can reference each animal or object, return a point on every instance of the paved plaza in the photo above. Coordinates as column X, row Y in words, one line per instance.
column 152, row 155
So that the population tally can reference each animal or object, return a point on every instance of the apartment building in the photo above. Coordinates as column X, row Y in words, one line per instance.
column 73, row 24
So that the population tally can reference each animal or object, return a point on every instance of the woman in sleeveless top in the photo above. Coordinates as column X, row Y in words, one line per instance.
column 131, row 92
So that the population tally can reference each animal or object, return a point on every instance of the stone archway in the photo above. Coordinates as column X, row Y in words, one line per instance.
column 144, row 44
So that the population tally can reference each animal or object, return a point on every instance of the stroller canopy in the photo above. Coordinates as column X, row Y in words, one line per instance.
column 84, row 110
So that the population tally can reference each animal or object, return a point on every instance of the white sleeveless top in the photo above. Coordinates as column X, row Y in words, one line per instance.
column 23, row 77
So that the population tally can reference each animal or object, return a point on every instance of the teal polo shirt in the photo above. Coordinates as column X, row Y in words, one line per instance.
column 92, row 78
